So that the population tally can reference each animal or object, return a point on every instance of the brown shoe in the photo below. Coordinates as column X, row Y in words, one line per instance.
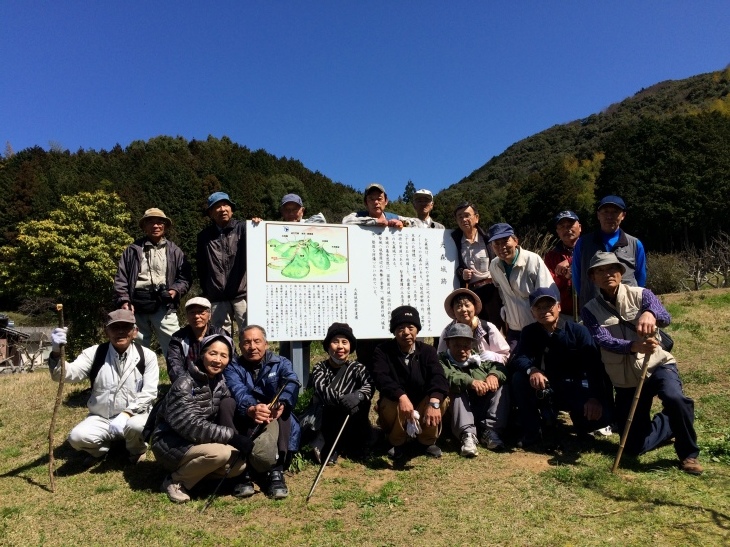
column 691, row 466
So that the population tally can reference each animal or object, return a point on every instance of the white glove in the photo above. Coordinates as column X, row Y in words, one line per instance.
column 116, row 426
column 58, row 339
column 413, row 426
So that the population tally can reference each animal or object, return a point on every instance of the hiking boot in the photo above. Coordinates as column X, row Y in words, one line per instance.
column 317, row 453
column 175, row 490
column 90, row 461
column 529, row 441
column 134, row 459
column 395, row 452
column 433, row 451
column 691, row 466
column 333, row 459
column 469, row 445
column 277, row 487
column 491, row 440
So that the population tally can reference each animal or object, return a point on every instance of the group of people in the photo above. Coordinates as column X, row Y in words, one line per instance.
column 514, row 342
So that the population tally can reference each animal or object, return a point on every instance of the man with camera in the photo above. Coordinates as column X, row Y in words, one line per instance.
column 152, row 276
column 557, row 368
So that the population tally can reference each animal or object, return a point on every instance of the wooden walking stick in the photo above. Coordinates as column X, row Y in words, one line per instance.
column 59, row 396
column 634, row 403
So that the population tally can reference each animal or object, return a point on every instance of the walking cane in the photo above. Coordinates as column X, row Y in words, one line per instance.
column 327, row 459
column 255, row 433
column 57, row 404
column 634, row 403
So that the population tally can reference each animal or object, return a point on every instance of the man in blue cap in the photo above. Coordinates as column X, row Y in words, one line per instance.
column 610, row 238
column 221, row 261
column 557, row 368
column 559, row 260
column 516, row 272
column 292, row 210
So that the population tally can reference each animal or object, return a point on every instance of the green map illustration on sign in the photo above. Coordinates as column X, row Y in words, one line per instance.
column 302, row 258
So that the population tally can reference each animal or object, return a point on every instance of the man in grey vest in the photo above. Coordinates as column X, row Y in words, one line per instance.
column 610, row 238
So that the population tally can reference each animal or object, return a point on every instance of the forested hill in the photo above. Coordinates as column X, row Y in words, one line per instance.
column 166, row 172
column 666, row 150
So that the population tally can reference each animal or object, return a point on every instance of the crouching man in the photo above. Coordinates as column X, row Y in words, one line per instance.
column 476, row 394
column 623, row 321
column 123, row 380
column 255, row 378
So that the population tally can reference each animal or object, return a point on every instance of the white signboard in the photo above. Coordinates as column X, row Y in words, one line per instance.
column 304, row 277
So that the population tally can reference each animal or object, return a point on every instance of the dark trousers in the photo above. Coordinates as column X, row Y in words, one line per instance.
column 357, row 434
column 675, row 420
column 569, row 395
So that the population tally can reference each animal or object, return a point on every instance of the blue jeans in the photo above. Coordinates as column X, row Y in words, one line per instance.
column 675, row 420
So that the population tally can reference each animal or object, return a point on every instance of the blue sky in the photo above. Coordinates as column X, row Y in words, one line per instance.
column 360, row 91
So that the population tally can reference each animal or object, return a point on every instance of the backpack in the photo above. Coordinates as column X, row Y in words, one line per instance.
column 100, row 358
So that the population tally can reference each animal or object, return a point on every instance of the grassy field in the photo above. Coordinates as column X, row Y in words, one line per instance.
column 514, row 498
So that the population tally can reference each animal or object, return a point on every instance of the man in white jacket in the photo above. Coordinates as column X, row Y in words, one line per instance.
column 516, row 272
column 124, row 379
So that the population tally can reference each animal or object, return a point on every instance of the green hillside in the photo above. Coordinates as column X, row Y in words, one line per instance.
column 666, row 150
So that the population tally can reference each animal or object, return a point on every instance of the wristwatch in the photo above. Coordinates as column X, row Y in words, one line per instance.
column 434, row 404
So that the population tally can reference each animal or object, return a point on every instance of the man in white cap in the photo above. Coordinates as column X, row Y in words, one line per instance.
column 292, row 210
column 422, row 202
column 153, row 274
column 123, row 376
column 221, row 262
column 185, row 343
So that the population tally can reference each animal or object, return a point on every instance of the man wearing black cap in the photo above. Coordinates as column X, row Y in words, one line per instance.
column 152, row 276
column 221, row 262
column 124, row 377
column 557, row 368
column 611, row 238
column 410, row 380
column 560, row 258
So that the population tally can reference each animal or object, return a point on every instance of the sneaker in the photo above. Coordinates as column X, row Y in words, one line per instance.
column 90, row 461
column 395, row 452
column 603, row 432
column 277, row 487
column 244, row 489
column 491, row 440
column 691, row 466
column 433, row 451
column 134, row 459
column 175, row 490
column 469, row 445
column 333, row 459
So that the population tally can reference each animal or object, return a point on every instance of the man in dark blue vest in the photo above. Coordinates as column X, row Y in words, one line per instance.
column 610, row 238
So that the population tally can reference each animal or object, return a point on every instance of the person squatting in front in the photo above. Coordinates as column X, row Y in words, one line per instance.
column 255, row 377
column 410, row 380
column 623, row 321
column 478, row 402
column 342, row 387
column 557, row 368
column 124, row 377
column 188, row 439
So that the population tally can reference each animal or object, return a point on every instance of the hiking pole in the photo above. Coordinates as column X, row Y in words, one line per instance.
column 327, row 459
column 57, row 404
column 634, row 403
column 575, row 305
column 255, row 433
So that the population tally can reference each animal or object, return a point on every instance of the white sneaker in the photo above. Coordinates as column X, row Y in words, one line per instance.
column 175, row 490
column 604, row 431
column 469, row 445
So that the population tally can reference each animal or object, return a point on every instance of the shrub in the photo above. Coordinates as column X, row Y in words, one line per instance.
column 665, row 272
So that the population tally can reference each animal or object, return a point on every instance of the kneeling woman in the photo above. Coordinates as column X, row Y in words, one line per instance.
column 343, row 387
column 187, row 439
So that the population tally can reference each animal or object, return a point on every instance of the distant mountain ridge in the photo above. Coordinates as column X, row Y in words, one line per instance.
column 575, row 156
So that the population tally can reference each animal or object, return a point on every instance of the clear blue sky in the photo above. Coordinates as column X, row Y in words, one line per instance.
column 360, row 91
